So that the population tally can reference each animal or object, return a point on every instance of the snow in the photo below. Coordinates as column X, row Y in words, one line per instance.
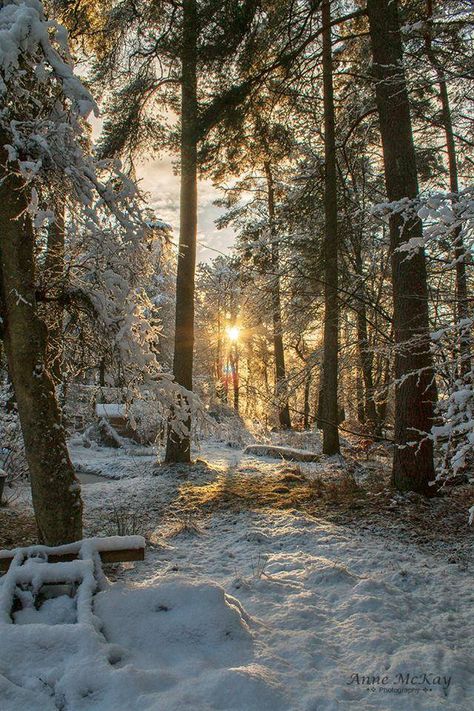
column 110, row 410
column 112, row 463
column 180, row 645
column 83, row 549
column 334, row 605
column 55, row 611
column 23, row 31
column 247, row 610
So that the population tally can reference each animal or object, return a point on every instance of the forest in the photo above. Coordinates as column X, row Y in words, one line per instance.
column 236, row 363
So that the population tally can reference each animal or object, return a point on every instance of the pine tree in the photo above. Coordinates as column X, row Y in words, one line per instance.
column 331, row 273
column 415, row 391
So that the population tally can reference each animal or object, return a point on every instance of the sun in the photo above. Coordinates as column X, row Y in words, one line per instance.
column 233, row 333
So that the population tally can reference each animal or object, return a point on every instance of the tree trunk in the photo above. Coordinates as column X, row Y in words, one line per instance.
column 234, row 364
column 462, row 296
column 331, row 305
column 220, row 390
column 54, row 275
column 306, row 406
column 319, row 415
column 55, row 489
column 360, row 398
column 415, row 389
column 179, row 449
column 281, row 388
column 365, row 352
column 382, row 403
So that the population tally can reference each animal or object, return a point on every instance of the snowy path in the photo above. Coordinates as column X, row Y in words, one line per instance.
column 331, row 606
column 251, row 610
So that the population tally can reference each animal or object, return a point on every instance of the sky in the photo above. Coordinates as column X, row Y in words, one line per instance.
column 159, row 180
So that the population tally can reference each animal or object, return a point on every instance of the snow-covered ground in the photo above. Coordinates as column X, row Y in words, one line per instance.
column 244, row 608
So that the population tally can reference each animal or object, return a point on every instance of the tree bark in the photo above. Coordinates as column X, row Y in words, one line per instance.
column 331, row 305
column 415, row 389
column 179, row 449
column 55, row 489
column 462, row 296
column 281, row 388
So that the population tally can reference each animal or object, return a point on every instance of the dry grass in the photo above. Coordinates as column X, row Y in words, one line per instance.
column 17, row 529
column 286, row 489
column 336, row 496
column 341, row 499
column 233, row 490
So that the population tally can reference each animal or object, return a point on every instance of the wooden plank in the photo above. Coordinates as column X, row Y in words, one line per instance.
column 123, row 555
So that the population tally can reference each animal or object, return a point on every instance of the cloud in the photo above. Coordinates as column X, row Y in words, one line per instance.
column 159, row 180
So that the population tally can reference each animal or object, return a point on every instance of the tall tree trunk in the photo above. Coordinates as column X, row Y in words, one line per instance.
column 319, row 409
column 55, row 489
column 220, row 391
column 360, row 398
column 281, row 387
column 331, row 305
column 382, row 403
column 54, row 275
column 306, row 405
column 179, row 449
column 415, row 389
column 462, row 296
column 365, row 352
column 234, row 365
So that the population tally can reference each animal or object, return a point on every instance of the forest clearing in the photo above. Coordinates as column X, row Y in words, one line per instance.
column 236, row 363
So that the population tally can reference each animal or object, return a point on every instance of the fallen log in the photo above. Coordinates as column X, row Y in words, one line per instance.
column 287, row 453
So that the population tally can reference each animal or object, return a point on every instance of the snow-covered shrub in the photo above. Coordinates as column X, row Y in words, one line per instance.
column 113, row 243
column 448, row 237
column 225, row 425
column 113, row 316
column 46, row 139
column 454, row 437
column 450, row 221
column 221, row 412
column 148, row 419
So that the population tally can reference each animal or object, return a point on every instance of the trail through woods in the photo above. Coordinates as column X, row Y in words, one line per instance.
column 248, row 603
